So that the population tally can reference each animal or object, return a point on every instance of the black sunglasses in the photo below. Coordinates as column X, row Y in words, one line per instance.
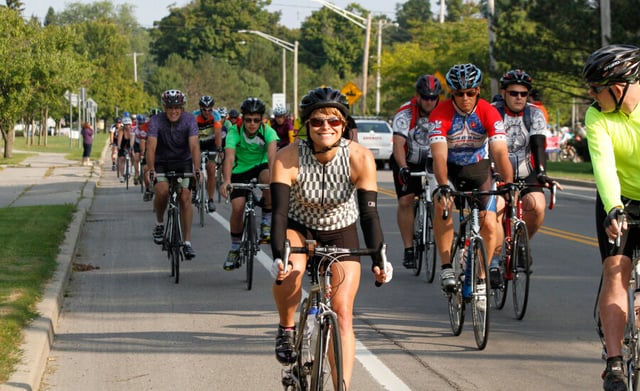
column 470, row 94
column 515, row 94
column 252, row 120
column 597, row 89
column 318, row 122
column 429, row 97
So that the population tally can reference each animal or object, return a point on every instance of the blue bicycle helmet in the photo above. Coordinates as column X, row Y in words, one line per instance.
column 463, row 77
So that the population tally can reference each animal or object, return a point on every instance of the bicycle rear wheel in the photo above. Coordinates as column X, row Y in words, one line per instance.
column 250, row 247
column 521, row 266
column 429, row 246
column 480, row 300
column 219, row 181
column 327, row 345
column 455, row 300
column 126, row 172
column 176, row 245
column 500, row 294
column 418, row 235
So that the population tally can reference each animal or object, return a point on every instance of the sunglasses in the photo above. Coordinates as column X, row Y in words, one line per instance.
column 515, row 94
column 318, row 122
column 597, row 89
column 252, row 120
column 429, row 97
column 470, row 94
column 207, row 109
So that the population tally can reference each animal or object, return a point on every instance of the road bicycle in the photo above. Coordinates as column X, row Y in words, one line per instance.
column 515, row 255
column 173, row 242
column 424, row 245
column 201, row 193
column 219, row 160
column 141, row 174
column 127, row 168
column 470, row 265
column 631, row 340
column 319, row 351
column 250, row 244
column 567, row 153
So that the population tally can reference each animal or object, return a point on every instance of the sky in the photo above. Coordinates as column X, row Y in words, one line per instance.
column 294, row 12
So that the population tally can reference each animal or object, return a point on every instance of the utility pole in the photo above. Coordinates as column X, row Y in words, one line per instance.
column 135, row 65
column 605, row 21
column 493, row 65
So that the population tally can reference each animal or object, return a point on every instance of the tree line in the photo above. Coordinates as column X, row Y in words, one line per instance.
column 197, row 48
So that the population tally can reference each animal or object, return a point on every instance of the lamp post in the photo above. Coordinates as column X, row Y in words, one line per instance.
column 292, row 47
column 364, row 23
column 381, row 25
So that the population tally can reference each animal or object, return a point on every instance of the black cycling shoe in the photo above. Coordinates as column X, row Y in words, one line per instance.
column 211, row 206
column 613, row 376
column 188, row 252
column 409, row 259
column 495, row 278
column 285, row 354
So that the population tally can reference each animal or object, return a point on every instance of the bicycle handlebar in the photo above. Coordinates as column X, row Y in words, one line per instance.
column 245, row 186
column 312, row 249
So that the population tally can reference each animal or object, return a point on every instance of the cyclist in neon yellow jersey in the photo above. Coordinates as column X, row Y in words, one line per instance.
column 613, row 131
column 249, row 153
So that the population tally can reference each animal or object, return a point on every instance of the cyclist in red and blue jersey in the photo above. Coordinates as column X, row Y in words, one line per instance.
column 210, row 127
column 465, row 131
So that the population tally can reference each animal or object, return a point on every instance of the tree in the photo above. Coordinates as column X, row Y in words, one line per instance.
column 15, row 73
column 413, row 13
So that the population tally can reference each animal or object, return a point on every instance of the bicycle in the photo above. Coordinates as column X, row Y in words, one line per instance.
column 314, row 349
column 250, row 244
column 127, row 166
column 141, row 174
column 201, row 194
column 172, row 242
column 469, row 260
column 631, row 340
column 424, row 245
column 219, row 160
column 515, row 256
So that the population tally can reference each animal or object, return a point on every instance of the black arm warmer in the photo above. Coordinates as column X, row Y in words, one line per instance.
column 370, row 222
column 538, row 152
column 279, row 217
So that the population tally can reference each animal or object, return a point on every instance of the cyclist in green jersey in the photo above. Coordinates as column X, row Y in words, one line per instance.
column 249, row 153
column 613, row 131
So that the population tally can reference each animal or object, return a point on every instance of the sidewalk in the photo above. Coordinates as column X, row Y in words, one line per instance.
column 47, row 179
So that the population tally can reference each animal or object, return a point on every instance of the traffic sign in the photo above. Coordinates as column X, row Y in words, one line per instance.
column 352, row 92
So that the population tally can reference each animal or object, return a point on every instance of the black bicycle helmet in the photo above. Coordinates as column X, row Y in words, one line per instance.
column 613, row 64
column 117, row 119
column 464, row 76
column 252, row 106
column 428, row 85
column 207, row 101
column 233, row 113
column 173, row 98
column 323, row 97
column 516, row 76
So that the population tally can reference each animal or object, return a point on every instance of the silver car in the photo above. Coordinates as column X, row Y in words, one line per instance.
column 376, row 135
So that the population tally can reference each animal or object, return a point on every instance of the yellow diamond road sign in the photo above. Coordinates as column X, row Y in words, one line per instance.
column 352, row 92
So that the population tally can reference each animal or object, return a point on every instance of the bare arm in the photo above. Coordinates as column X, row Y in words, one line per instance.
column 440, row 153
column 500, row 155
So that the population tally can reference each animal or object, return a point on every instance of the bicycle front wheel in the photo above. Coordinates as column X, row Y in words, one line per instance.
column 429, row 245
column 418, row 234
column 250, row 247
column 455, row 299
column 480, row 299
column 126, row 172
column 202, row 200
column 325, row 376
column 521, row 266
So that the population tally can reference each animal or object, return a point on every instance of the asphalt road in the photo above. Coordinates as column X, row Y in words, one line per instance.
column 126, row 325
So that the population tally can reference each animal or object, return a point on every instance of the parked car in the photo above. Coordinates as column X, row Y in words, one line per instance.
column 376, row 135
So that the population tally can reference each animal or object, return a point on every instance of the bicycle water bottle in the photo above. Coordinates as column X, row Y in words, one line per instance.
column 466, row 287
column 310, row 326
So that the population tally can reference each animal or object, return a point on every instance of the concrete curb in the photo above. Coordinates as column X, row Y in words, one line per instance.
column 39, row 335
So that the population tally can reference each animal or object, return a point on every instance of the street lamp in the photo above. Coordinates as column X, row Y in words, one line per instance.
column 292, row 47
column 364, row 23
column 381, row 25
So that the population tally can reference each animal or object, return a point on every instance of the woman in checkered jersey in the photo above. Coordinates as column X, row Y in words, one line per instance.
column 319, row 187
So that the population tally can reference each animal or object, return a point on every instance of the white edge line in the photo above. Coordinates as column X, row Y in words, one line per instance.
column 376, row 368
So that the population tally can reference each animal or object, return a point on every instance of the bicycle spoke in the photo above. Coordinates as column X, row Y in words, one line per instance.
column 430, row 253
column 418, row 235
column 455, row 300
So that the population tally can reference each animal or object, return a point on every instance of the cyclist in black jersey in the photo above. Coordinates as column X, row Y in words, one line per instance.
column 125, row 144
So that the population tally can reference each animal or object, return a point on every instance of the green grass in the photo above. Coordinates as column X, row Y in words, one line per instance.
column 580, row 171
column 30, row 237
column 55, row 144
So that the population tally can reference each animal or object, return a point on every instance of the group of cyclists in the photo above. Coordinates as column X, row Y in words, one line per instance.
column 321, row 185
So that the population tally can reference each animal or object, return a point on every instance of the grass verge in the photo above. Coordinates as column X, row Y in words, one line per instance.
column 579, row 171
column 31, row 238
column 55, row 144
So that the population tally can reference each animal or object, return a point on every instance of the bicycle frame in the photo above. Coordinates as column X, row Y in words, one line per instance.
column 423, row 238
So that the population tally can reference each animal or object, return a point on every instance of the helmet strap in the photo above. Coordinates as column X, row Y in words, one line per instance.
column 624, row 93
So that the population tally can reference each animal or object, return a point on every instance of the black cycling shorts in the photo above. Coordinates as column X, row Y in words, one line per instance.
column 630, row 239
column 414, row 185
column 346, row 237
column 246, row 177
